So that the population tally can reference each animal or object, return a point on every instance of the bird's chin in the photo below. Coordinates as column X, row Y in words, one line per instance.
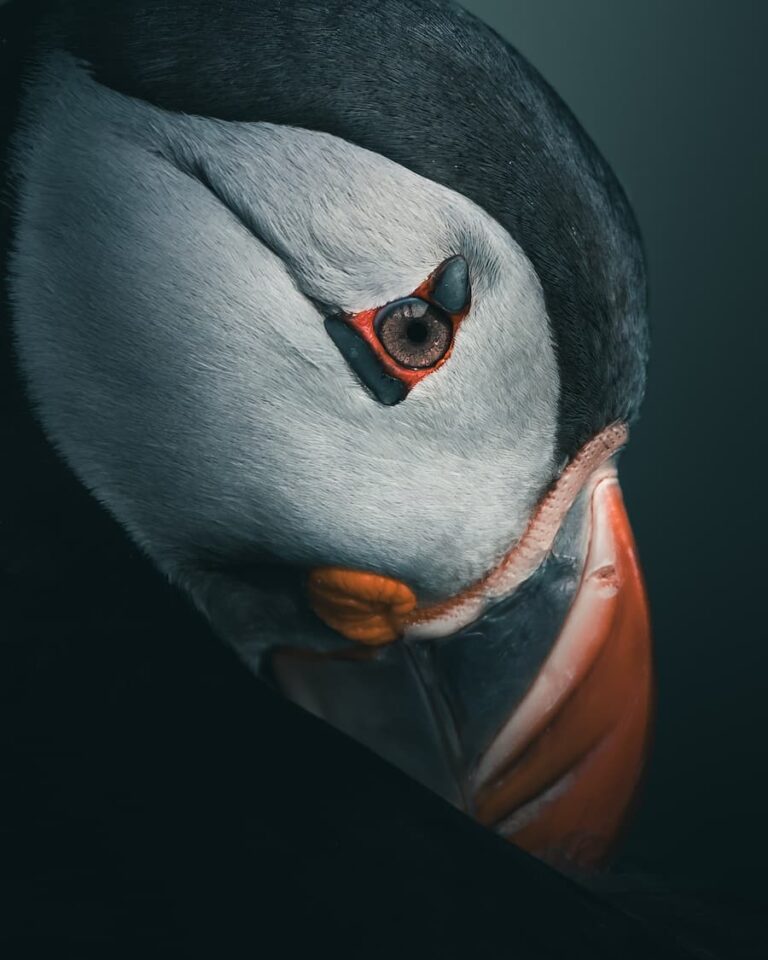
column 257, row 604
column 534, row 714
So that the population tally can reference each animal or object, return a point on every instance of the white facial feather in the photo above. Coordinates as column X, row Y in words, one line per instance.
column 177, row 357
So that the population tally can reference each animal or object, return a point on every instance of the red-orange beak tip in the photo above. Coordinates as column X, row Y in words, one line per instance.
column 560, row 777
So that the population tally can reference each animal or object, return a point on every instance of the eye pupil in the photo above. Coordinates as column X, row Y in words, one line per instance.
column 417, row 331
column 414, row 333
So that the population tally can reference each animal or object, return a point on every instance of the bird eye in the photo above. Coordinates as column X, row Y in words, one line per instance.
column 414, row 333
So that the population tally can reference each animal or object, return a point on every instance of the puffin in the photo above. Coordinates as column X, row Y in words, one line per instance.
column 341, row 315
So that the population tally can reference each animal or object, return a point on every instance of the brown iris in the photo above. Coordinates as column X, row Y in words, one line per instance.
column 414, row 333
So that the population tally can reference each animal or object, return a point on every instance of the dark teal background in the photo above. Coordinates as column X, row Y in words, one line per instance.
column 673, row 92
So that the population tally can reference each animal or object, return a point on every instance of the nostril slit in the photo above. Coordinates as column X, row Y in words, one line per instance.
column 606, row 575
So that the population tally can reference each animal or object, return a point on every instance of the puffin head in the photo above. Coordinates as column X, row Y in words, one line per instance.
column 342, row 316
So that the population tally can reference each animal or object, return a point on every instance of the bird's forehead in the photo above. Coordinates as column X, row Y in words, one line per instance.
column 357, row 228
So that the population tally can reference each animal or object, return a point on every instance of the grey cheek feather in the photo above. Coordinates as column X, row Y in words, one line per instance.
column 165, row 279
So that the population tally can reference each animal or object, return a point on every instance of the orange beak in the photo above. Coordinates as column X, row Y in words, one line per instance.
column 560, row 776
column 557, row 765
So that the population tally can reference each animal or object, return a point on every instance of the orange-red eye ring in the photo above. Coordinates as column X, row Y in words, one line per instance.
column 364, row 323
